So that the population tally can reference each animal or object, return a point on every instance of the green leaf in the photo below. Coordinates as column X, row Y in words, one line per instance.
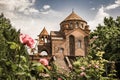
column 14, row 45
column 22, row 58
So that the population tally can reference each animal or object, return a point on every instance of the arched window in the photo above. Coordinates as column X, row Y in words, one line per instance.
column 61, row 50
column 86, row 40
column 45, row 40
column 76, row 25
column 71, row 25
column 82, row 26
column 72, row 45
column 44, row 53
column 79, row 44
column 66, row 26
column 42, row 38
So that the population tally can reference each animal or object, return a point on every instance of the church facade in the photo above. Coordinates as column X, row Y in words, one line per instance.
column 71, row 40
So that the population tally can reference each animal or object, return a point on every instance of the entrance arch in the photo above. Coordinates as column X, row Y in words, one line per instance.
column 44, row 53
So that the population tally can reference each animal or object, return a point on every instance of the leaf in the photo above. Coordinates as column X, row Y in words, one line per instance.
column 14, row 45
column 22, row 58
column 36, row 64
column 21, row 67
column 107, row 36
column 20, row 73
column 14, row 67
column 1, row 69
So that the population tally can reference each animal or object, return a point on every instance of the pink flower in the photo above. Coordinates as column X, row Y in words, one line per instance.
column 27, row 40
column 82, row 74
column 96, row 66
column 82, row 68
column 59, row 79
column 44, row 61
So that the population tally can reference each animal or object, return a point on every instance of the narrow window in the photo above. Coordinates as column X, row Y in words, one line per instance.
column 86, row 43
column 79, row 43
column 76, row 25
column 42, row 38
column 71, row 25
column 45, row 40
column 82, row 26
column 61, row 50
column 72, row 45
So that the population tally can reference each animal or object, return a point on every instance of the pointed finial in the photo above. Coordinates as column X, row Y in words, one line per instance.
column 72, row 10
column 44, row 27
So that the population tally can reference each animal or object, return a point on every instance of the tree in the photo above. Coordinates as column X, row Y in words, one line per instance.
column 107, row 38
column 10, row 48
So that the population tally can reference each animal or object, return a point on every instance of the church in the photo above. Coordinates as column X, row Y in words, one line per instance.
column 70, row 41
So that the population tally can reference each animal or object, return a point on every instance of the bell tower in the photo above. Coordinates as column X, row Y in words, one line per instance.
column 44, row 42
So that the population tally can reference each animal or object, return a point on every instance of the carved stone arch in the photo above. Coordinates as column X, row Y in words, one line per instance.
column 44, row 48
column 72, row 45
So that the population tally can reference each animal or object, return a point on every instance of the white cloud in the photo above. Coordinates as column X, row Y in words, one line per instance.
column 117, row 1
column 98, row 18
column 46, row 7
column 33, row 25
column 33, row 10
column 20, row 13
column 15, row 6
column 113, row 6
column 92, row 9
column 102, row 12
column 19, row 5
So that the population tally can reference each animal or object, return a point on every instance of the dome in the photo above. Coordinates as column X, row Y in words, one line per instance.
column 73, row 16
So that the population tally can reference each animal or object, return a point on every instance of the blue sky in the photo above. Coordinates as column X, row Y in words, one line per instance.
column 31, row 16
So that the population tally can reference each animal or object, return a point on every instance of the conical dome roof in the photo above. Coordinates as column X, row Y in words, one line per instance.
column 44, row 32
column 73, row 16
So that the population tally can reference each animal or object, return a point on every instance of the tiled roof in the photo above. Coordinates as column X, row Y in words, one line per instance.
column 73, row 16
column 55, row 33
column 44, row 32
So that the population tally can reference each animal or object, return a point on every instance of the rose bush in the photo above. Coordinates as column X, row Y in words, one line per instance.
column 87, row 68
column 44, row 61
column 27, row 40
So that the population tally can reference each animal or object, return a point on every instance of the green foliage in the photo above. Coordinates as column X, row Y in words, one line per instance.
column 88, row 68
column 38, row 70
column 9, row 39
column 14, row 56
column 55, row 73
column 12, row 67
column 16, row 66
column 107, row 38
column 14, row 45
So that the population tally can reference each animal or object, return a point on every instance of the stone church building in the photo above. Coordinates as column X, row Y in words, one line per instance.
column 70, row 41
